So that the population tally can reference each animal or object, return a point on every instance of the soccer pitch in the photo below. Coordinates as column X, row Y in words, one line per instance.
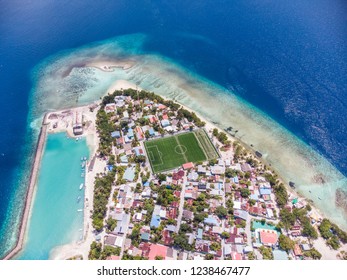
column 170, row 152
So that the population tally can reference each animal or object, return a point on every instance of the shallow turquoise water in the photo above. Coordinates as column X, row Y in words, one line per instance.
column 55, row 220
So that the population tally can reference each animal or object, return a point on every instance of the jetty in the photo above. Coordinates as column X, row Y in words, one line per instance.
column 30, row 192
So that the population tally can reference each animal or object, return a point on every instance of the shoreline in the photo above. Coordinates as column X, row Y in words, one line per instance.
column 30, row 192
column 82, row 247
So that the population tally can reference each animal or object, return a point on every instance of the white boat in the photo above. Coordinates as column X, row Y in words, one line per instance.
column 78, row 199
column 80, row 210
column 81, row 186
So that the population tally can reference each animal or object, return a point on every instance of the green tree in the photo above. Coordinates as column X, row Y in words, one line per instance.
column 181, row 241
column 245, row 192
column 221, row 212
column 286, row 243
column 266, row 253
column 111, row 224
column 95, row 251
column 312, row 254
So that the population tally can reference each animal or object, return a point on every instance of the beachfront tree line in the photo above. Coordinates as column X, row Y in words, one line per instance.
column 145, row 95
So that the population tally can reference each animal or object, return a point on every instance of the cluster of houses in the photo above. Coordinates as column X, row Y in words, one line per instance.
column 227, row 205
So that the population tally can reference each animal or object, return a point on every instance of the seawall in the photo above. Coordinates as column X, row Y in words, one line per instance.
column 30, row 192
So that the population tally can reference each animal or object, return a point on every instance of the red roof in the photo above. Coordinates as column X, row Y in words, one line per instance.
column 236, row 256
column 113, row 258
column 188, row 165
column 157, row 250
column 297, row 250
column 268, row 237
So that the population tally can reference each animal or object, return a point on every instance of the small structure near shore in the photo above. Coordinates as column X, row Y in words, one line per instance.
column 77, row 126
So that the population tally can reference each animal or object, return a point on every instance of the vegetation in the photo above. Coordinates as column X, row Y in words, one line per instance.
column 181, row 242
column 102, row 191
column 111, row 224
column 286, row 243
column 266, row 253
column 251, row 256
column 221, row 212
column 97, row 253
column 332, row 233
column 312, row 254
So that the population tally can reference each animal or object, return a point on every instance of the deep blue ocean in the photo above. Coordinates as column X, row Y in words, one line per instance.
column 288, row 58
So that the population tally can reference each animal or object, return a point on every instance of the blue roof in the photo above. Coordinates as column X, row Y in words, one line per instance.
column 280, row 255
column 151, row 131
column 264, row 191
column 115, row 134
column 138, row 151
column 165, row 123
column 130, row 133
column 109, row 167
column 254, row 196
column 146, row 184
column 145, row 236
column 236, row 180
column 124, row 158
column 155, row 221
column 129, row 174
column 199, row 234
column 210, row 220
column 171, row 228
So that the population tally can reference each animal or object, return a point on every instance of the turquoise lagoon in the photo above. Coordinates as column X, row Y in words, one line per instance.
column 55, row 219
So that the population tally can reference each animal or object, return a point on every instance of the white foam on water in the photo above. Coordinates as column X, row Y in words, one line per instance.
column 74, row 77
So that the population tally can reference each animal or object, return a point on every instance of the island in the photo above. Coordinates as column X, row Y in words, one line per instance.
column 164, row 183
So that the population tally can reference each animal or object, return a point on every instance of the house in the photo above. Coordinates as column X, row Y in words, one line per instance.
column 267, row 237
column 155, row 221
column 202, row 169
column 210, row 220
column 156, row 250
column 236, row 256
column 129, row 174
column 280, row 255
column 139, row 134
column 130, row 133
column 245, row 167
column 217, row 170
column 165, row 123
column 122, row 225
column 187, row 215
column 297, row 251
column 139, row 151
column 115, row 134
column 110, row 107
column 110, row 240
column 187, row 165
column 199, row 233
column 125, row 116
column 145, row 236
column 241, row 214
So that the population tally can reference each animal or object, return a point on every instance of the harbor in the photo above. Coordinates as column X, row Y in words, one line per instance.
column 59, row 199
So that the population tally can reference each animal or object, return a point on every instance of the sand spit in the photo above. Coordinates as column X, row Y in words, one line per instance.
column 290, row 157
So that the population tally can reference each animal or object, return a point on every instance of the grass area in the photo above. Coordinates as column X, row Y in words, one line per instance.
column 170, row 152
column 205, row 143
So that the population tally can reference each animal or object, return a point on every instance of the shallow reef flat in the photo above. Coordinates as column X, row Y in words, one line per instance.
column 81, row 76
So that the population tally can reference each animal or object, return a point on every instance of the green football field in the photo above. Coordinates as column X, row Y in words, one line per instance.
column 171, row 152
